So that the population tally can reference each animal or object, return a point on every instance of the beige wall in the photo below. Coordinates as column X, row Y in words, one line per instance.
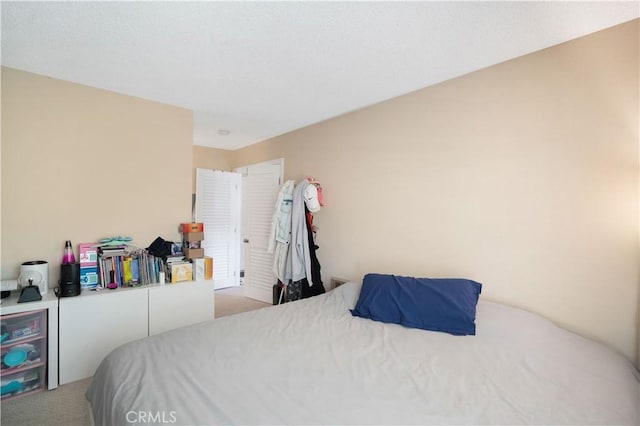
column 81, row 163
column 523, row 176
column 210, row 158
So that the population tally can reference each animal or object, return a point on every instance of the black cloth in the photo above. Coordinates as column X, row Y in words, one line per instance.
column 317, row 287
column 301, row 289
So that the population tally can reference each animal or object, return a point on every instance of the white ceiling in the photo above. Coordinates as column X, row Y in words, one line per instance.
column 261, row 69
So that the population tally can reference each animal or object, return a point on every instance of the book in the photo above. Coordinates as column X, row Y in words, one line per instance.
column 109, row 251
column 135, row 273
column 174, row 258
column 126, row 268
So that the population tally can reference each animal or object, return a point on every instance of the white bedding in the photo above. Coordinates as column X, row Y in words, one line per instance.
column 312, row 362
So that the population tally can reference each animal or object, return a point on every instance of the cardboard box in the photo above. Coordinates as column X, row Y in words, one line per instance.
column 181, row 272
column 191, row 244
column 193, row 236
column 187, row 228
column 192, row 240
column 208, row 268
column 193, row 253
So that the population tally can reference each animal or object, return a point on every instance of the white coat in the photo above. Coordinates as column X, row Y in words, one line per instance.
column 299, row 257
column 280, row 235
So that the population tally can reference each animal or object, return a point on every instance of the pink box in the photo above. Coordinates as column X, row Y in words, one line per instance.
column 88, row 254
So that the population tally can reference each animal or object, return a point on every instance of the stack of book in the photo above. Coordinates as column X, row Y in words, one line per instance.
column 149, row 267
column 121, row 267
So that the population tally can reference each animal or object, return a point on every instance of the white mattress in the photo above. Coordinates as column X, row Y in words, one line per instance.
column 311, row 362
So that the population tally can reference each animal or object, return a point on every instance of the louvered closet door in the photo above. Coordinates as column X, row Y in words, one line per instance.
column 261, row 184
column 218, row 207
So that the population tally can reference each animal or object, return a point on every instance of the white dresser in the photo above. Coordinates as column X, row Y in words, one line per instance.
column 96, row 322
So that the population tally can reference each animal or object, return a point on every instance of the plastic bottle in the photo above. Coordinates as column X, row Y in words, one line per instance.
column 68, row 256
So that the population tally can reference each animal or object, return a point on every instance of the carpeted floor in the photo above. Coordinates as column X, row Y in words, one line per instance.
column 67, row 406
column 62, row 406
column 229, row 301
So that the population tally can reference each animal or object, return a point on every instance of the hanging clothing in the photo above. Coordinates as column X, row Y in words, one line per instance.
column 298, row 258
column 294, row 290
column 292, row 240
column 311, row 285
column 280, row 235
column 315, row 286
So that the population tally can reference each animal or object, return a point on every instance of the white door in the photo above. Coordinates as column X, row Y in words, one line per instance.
column 260, row 185
column 218, row 208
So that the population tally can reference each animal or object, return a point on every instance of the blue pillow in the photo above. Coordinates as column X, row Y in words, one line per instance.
column 437, row 304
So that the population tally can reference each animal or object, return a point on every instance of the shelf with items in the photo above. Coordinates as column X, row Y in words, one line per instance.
column 113, row 263
column 24, row 367
column 22, row 383
column 49, row 303
column 21, row 340
column 21, row 326
column 23, row 353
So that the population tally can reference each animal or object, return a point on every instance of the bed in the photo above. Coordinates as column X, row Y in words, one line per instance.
column 313, row 362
